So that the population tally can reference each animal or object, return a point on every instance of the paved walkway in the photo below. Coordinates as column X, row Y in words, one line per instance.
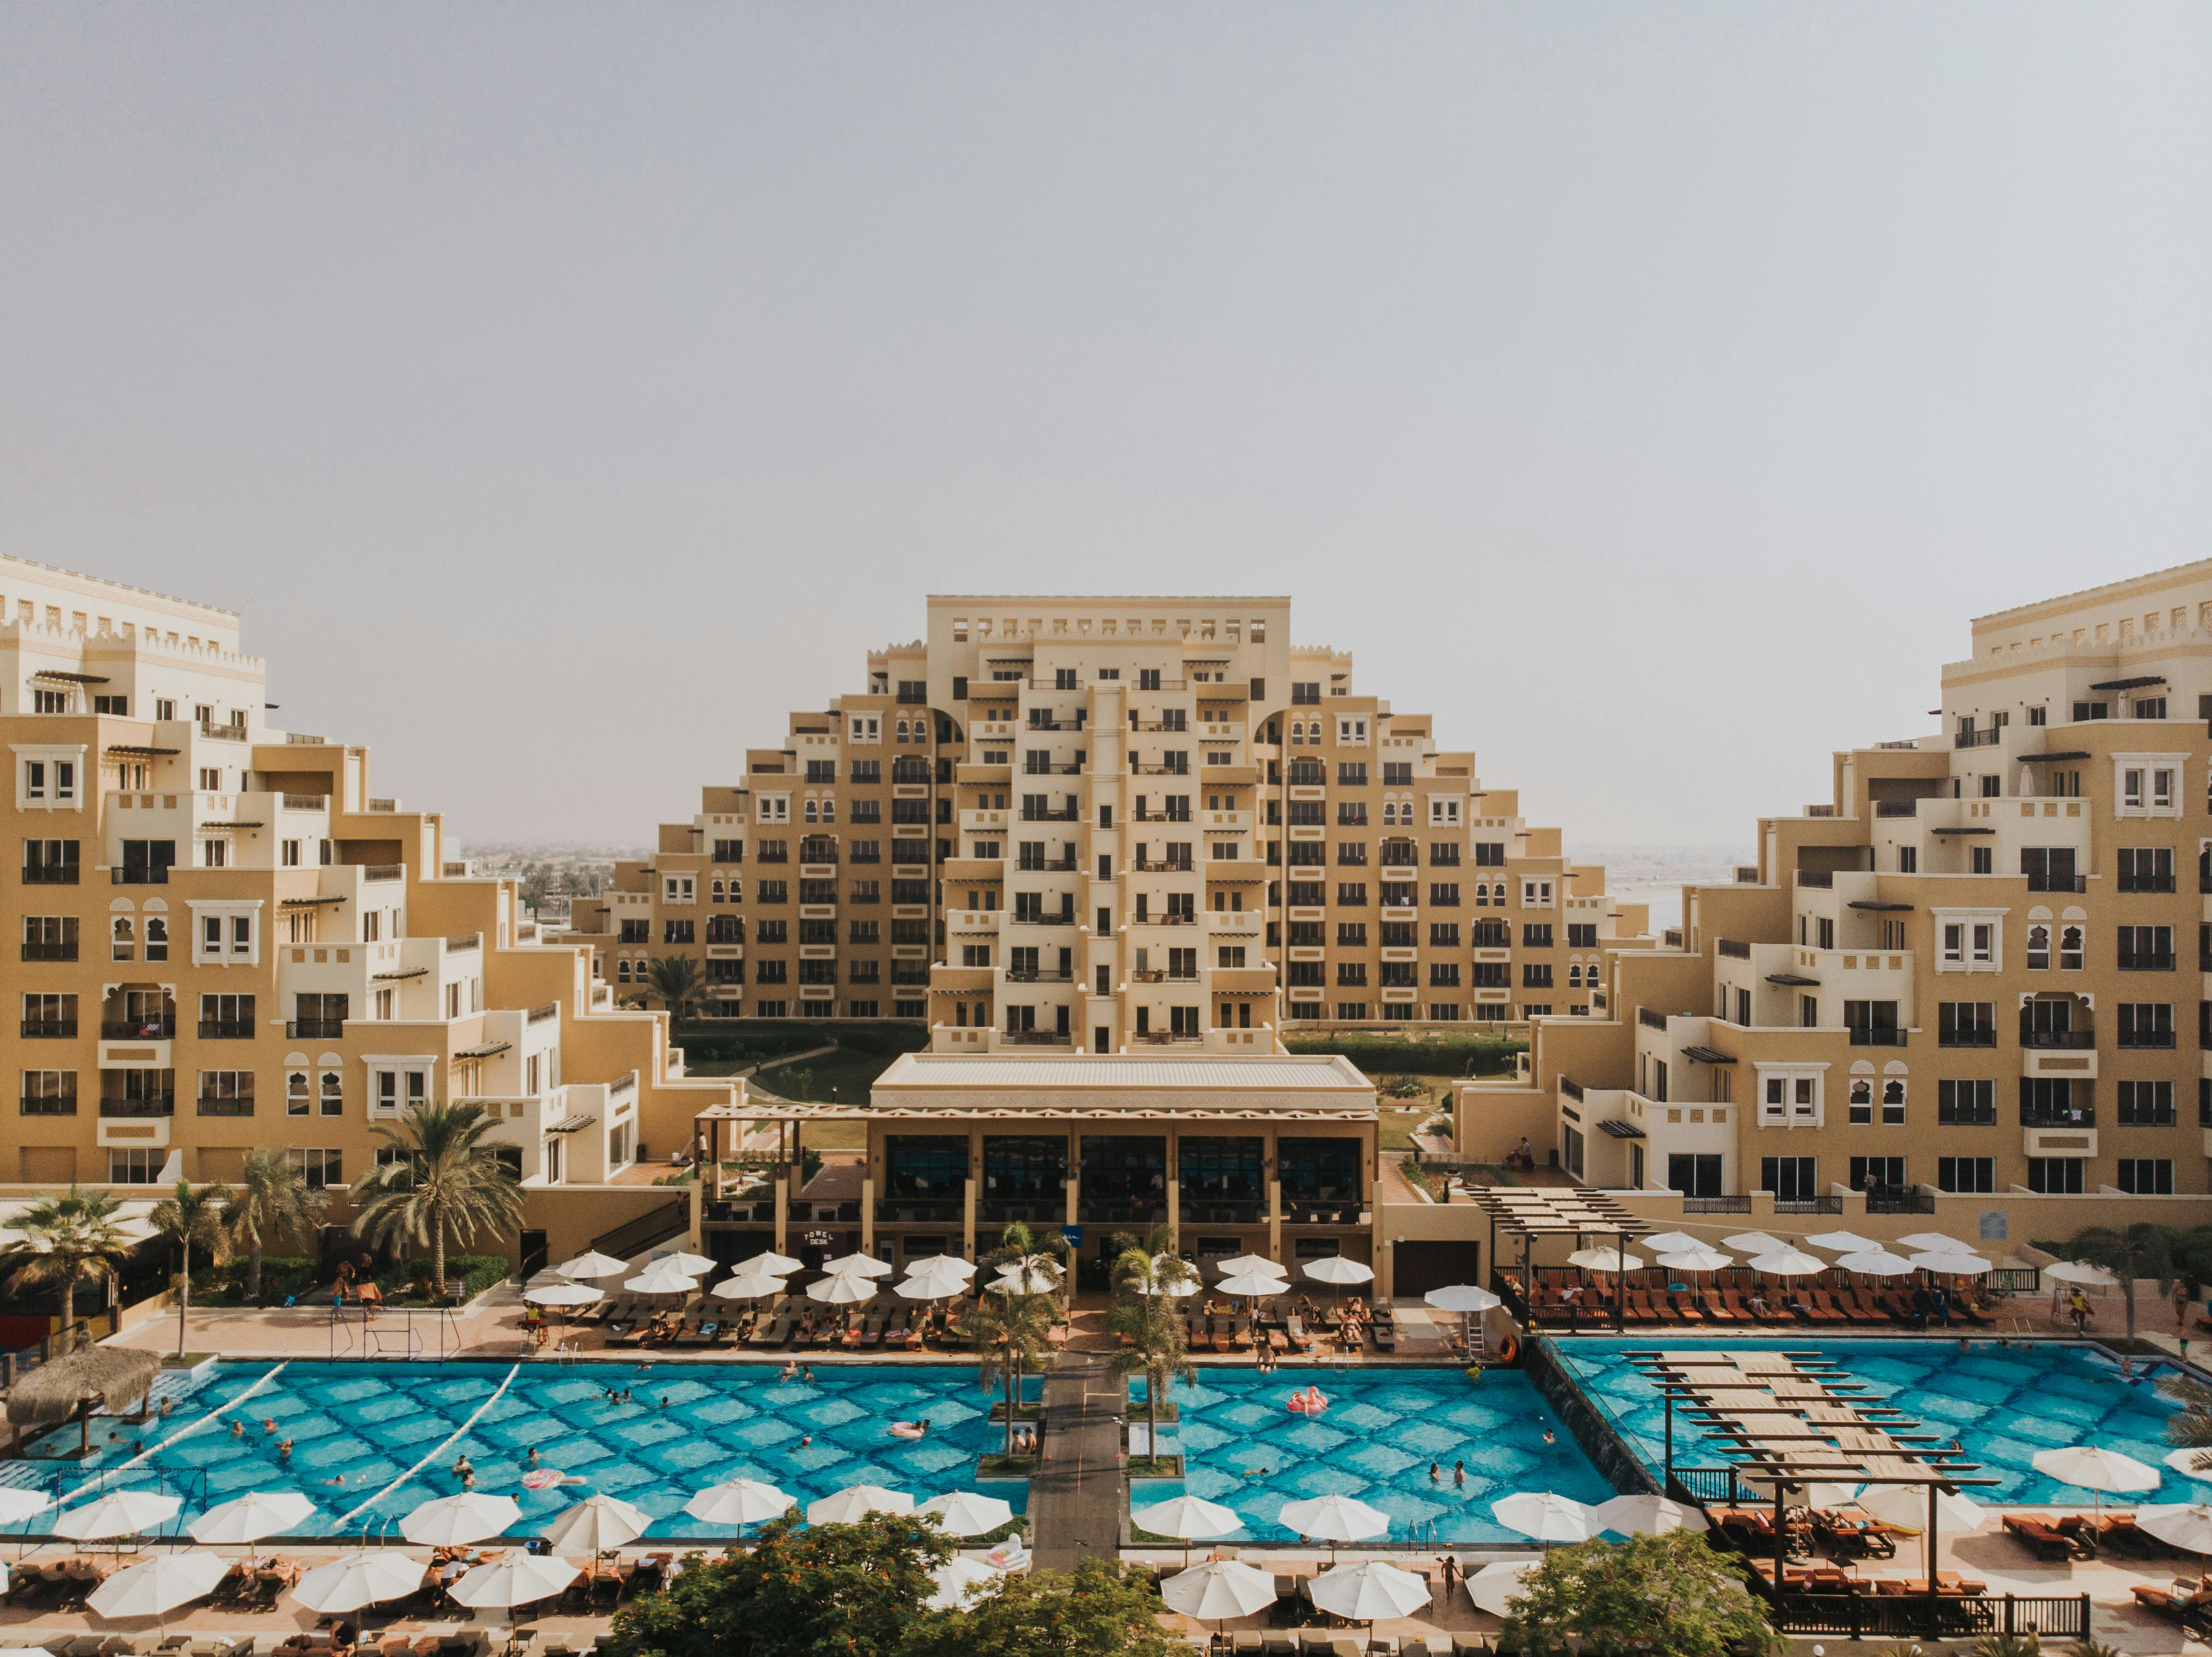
column 1078, row 1494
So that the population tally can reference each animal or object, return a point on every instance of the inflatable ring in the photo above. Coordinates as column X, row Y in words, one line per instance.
column 906, row 1430
column 540, row 1478
column 1509, row 1350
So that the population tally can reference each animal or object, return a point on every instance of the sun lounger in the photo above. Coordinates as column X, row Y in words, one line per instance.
column 2042, row 1538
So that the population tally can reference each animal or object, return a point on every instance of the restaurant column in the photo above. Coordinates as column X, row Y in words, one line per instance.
column 1274, row 1202
column 1175, row 1190
column 970, row 1192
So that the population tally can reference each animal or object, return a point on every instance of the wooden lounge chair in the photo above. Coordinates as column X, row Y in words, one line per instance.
column 2042, row 1538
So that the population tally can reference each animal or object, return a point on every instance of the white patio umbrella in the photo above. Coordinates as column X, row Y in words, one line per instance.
column 964, row 1512
column 745, row 1286
column 1877, row 1262
column 514, row 1579
column 2186, row 1524
column 17, row 1504
column 1496, row 1586
column 1367, row 1591
column 250, row 1517
column 948, row 1267
column 563, row 1294
column 1645, row 1515
column 1030, row 1277
column 363, row 1577
column 1936, row 1242
column 661, row 1278
column 840, row 1290
column 2080, row 1271
column 1841, row 1242
column 592, row 1264
column 857, row 1501
column 1218, row 1590
column 1672, row 1242
column 1905, row 1507
column 1814, row 1496
column 927, row 1288
column 959, row 1579
column 739, row 1501
column 1462, row 1297
column 1174, row 1288
column 1252, row 1285
column 1337, row 1268
column 464, row 1516
column 2096, row 1469
column 1547, row 1517
column 160, row 1584
column 1188, row 1518
column 1605, row 1260
column 2184, row 1461
column 1333, row 1518
column 1952, row 1265
column 597, row 1523
column 1788, row 1262
column 118, row 1513
column 860, row 1265
column 692, row 1265
column 1700, row 1258
column 1237, row 1265
column 1752, row 1242
column 769, row 1263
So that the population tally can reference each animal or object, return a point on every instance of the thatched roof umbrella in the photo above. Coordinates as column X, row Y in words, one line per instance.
column 117, row 1377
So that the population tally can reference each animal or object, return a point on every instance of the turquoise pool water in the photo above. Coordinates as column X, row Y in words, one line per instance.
column 1243, row 1448
column 391, row 1432
column 2003, row 1404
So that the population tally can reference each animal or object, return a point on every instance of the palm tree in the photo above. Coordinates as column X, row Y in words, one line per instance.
column 1014, row 1330
column 188, row 1217
column 1148, row 1315
column 2138, row 1250
column 677, row 980
column 273, row 1201
column 65, row 1241
column 444, row 1181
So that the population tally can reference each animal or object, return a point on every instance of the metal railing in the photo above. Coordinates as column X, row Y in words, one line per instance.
column 314, row 1029
column 1651, row 1019
column 1716, row 1205
column 49, row 1029
column 1911, row 1616
column 225, row 1029
column 2140, row 961
column 1820, row 878
column 1971, row 738
column 305, row 802
column 656, row 1226
column 162, row 1105
column 1808, row 1205
column 49, row 952
column 1876, row 1035
column 1896, row 807
column 131, row 874
column 1900, row 1202
column 1733, row 948
column 1036, row 1037
column 138, row 1029
column 222, row 1105
column 50, row 874
column 2075, row 1116
column 2059, row 1038
column 383, row 871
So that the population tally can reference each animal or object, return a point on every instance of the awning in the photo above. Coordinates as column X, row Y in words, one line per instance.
column 1963, row 830
column 308, row 903
column 231, row 826
column 2135, row 684
column 572, row 1124
column 2077, row 753
column 135, row 752
column 1793, row 981
column 1707, row 1056
column 487, row 1050
column 1618, row 1130
column 394, row 978
column 88, row 679
column 1890, row 909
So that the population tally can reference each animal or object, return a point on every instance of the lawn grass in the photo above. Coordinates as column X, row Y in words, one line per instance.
column 1400, row 1117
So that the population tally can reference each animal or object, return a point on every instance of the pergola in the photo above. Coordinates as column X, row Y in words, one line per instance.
column 1529, row 1212
column 1798, row 1418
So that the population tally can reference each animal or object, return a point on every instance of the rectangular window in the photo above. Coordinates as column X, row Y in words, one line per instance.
column 2054, row 1176
column 2146, row 949
column 1966, row 1173
column 2145, row 1176
column 2146, row 868
column 2146, row 1024
column 2146, row 1104
column 1966, row 1024
column 1967, row 1104
column 323, row 1170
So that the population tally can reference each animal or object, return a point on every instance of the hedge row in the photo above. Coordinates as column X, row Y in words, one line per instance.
column 768, row 1039
column 282, row 1276
column 1381, row 1056
column 408, row 1283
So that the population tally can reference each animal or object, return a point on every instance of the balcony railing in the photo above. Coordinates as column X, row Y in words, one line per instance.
column 133, row 875
column 160, row 1104
column 1035, row 1038
column 1900, row 1202
column 50, row 873
column 225, row 1029
column 1808, row 1205
column 1166, row 917
column 2060, row 883
column 1161, row 865
column 1733, row 948
column 2077, row 1116
column 1160, row 770
column 1896, row 807
column 49, row 1029
column 1867, row 1035
column 49, row 952
column 1973, row 739
column 1820, row 878
column 2060, row 1039
column 1032, row 815
column 1167, row 1038
column 383, row 871
column 315, row 1029
column 1651, row 1019
column 2145, row 1038
column 1023, row 917
column 1035, row 975
column 222, row 1104
column 49, row 1105
column 922, row 1210
column 2142, row 961
column 138, row 1029
column 1973, row 1037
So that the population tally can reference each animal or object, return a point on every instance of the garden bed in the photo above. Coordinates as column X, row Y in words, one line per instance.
column 407, row 1284
column 282, row 1278
column 1003, row 1467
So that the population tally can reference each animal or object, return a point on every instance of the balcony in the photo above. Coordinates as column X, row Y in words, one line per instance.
column 217, row 1105
column 1199, row 1210
column 1166, row 917
column 2058, row 883
column 1161, row 865
column 1160, row 770
column 1867, row 1035
column 1167, row 1038
column 49, row 1105
column 49, row 952
column 138, row 1029
column 1896, row 807
column 1023, row 917
column 2142, row 961
column 1808, row 1205
column 1971, row 738
column 2077, row 1116
column 1651, row 1019
column 1033, row 975
column 226, row 1030
column 49, row 1029
column 50, row 874
column 2071, row 1040
column 1035, row 1039
column 1030, row 814
column 315, row 1029
column 160, row 1104
column 1900, row 1202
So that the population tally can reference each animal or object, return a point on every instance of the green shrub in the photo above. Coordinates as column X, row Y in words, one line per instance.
column 408, row 1282
column 224, row 1285
column 754, row 1039
column 1382, row 1055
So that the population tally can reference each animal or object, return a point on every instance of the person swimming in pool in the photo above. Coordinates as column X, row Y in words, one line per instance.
column 238, row 1429
column 529, row 1456
column 1550, row 1437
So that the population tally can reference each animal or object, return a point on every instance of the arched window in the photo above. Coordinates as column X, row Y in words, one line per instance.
column 2070, row 949
column 295, row 1092
column 1892, row 1102
column 622, row 969
column 2038, row 947
column 157, row 938
column 126, row 936
column 333, row 1094
column 1862, row 1102
column 829, row 810
column 810, row 817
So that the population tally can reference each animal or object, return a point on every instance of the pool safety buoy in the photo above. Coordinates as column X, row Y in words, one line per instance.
column 1509, row 1350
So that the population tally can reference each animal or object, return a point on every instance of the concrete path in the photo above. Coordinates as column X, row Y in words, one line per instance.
column 1080, row 1491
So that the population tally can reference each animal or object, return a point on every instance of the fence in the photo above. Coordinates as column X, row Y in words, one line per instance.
column 1865, row 1617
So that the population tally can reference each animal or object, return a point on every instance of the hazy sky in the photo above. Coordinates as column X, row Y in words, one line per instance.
column 1652, row 392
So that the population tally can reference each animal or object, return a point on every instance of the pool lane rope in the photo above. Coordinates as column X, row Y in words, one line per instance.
column 457, row 1433
column 102, row 1481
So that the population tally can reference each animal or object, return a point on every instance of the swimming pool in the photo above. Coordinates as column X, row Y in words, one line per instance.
column 1243, row 1448
column 2003, row 1404
column 392, row 1431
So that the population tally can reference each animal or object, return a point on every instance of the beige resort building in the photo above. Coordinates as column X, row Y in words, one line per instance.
column 224, row 937
column 1964, row 980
